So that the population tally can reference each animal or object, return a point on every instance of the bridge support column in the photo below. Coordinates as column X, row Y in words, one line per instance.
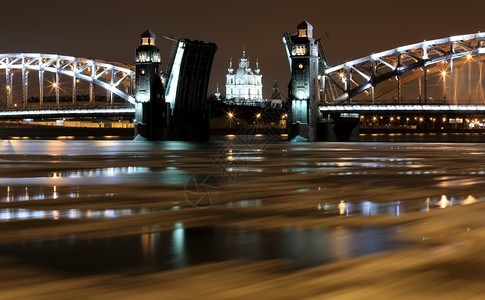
column 420, row 91
column 25, row 86
column 111, row 84
column 480, row 76
column 9, row 83
column 41, row 88
column 56, row 85
column 91, row 93
column 91, row 84
column 74, row 83
column 453, row 82
column 425, row 80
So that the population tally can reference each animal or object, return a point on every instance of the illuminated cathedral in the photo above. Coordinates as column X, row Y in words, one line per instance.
column 244, row 86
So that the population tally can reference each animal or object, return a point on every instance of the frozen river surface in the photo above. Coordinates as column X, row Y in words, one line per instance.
column 111, row 207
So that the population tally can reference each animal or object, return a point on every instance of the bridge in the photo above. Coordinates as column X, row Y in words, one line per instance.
column 68, row 76
column 438, row 76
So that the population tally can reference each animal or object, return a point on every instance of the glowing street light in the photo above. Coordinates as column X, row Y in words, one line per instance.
column 230, row 115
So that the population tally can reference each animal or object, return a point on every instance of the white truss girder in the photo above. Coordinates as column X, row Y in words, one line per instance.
column 368, row 71
column 112, row 77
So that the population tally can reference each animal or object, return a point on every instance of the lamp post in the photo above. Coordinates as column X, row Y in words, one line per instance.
column 230, row 115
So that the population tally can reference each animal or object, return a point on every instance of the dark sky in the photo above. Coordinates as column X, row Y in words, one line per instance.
column 109, row 30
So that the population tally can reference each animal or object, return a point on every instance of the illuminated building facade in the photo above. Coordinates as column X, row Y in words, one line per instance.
column 244, row 85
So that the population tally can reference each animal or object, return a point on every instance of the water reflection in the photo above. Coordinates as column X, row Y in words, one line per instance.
column 183, row 247
column 111, row 175
column 13, row 214
column 394, row 208
column 36, row 193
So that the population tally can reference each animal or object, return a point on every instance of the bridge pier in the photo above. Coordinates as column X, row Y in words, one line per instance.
column 339, row 128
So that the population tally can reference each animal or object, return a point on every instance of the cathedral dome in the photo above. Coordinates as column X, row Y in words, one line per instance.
column 241, row 73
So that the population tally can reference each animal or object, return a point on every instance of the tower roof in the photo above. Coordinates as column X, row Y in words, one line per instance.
column 304, row 25
column 148, row 34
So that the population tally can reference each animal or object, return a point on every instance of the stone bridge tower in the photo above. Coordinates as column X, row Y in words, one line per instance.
column 150, row 112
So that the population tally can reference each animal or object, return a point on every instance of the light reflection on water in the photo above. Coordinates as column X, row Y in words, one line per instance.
column 36, row 193
column 13, row 214
column 111, row 175
column 394, row 208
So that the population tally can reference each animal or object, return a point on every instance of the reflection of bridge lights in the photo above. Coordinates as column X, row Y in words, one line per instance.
column 342, row 207
column 444, row 202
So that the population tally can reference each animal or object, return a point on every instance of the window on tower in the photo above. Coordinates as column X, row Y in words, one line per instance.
column 143, row 57
column 147, row 41
column 300, row 49
column 302, row 33
column 156, row 57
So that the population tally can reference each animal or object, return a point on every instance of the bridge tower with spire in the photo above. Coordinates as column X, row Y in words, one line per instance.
column 306, row 87
column 150, row 112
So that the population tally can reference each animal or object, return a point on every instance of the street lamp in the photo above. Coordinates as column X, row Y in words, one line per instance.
column 230, row 115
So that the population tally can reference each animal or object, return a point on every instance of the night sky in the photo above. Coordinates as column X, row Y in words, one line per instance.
column 109, row 30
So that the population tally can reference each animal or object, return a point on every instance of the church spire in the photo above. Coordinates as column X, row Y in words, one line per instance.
column 230, row 66
column 257, row 70
column 217, row 93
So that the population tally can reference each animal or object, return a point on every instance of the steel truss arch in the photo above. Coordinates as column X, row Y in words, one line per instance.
column 113, row 77
column 358, row 76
